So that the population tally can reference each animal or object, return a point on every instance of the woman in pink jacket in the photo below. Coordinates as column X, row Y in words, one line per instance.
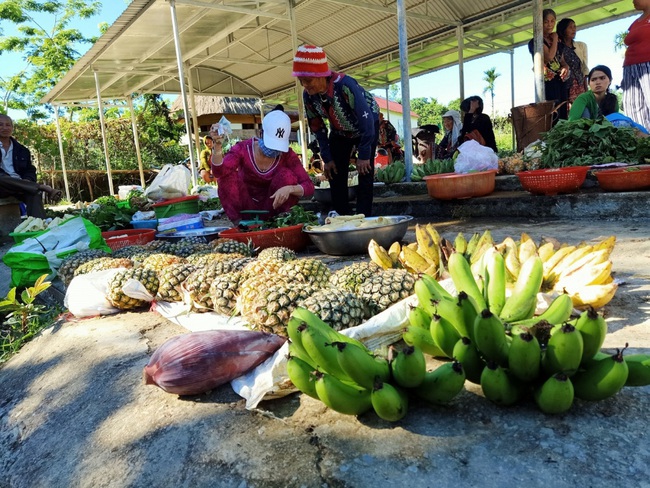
column 260, row 173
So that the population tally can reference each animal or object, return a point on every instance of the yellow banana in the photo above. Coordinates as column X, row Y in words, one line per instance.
column 511, row 258
column 558, row 256
column 393, row 251
column 413, row 260
column 379, row 255
column 484, row 242
column 587, row 275
column 527, row 248
column 435, row 236
column 426, row 244
column 596, row 296
column 607, row 244
column 569, row 260
column 588, row 260
column 545, row 251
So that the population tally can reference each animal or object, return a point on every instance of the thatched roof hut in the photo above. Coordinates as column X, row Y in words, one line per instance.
column 238, row 110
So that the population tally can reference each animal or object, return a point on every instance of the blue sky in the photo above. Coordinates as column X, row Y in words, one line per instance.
column 444, row 84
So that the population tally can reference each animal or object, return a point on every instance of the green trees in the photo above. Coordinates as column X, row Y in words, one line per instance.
column 48, row 51
column 490, row 78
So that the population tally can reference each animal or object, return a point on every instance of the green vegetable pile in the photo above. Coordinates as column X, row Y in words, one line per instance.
column 296, row 215
column 210, row 204
column 106, row 214
column 585, row 142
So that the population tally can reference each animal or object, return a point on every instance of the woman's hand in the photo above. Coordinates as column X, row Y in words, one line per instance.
column 216, row 156
column 283, row 194
column 363, row 166
column 565, row 72
column 329, row 170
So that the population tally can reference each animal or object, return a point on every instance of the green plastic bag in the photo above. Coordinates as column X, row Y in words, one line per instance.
column 43, row 254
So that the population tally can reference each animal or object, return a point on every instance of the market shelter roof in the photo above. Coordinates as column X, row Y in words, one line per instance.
column 245, row 48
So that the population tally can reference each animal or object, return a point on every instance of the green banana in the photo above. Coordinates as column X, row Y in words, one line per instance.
column 495, row 275
column 342, row 397
column 310, row 318
column 408, row 366
column 323, row 353
column 563, row 351
column 301, row 375
column 471, row 245
column 638, row 366
column 390, row 403
column 521, row 303
column 484, row 242
column 450, row 309
column 524, row 357
column 426, row 300
column 441, row 385
column 444, row 335
column 467, row 355
column 436, row 289
column 558, row 312
column 490, row 338
column 299, row 352
column 360, row 365
column 602, row 379
column 593, row 329
column 555, row 395
column 498, row 386
column 470, row 311
column 419, row 317
column 419, row 337
column 460, row 243
column 463, row 279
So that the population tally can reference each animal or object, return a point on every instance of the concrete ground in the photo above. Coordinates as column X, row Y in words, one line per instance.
column 74, row 410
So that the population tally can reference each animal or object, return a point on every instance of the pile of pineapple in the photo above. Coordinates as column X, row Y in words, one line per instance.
column 228, row 277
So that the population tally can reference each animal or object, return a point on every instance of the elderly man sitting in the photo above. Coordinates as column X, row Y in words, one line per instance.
column 18, row 174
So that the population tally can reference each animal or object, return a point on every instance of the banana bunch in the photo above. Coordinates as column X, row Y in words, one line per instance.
column 426, row 255
column 418, row 172
column 392, row 173
column 510, row 353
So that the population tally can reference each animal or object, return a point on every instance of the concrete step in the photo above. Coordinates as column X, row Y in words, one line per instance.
column 508, row 200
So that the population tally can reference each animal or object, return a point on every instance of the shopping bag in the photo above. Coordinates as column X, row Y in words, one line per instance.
column 173, row 181
column 44, row 253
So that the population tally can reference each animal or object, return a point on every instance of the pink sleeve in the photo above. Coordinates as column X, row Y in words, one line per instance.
column 295, row 165
column 231, row 161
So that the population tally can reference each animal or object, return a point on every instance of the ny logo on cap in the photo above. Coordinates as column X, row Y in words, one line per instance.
column 279, row 133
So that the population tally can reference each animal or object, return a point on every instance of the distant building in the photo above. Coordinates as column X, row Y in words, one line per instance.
column 393, row 112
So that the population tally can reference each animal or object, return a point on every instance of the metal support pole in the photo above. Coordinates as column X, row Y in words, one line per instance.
column 302, row 123
column 60, row 138
column 406, row 92
column 538, row 57
column 195, row 116
column 136, row 140
column 512, row 92
column 100, row 107
column 461, row 64
column 181, row 77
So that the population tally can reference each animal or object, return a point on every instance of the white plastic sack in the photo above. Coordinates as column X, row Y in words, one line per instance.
column 173, row 181
column 86, row 294
column 475, row 157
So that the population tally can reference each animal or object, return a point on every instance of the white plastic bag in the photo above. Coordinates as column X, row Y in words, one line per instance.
column 173, row 181
column 475, row 157
column 86, row 294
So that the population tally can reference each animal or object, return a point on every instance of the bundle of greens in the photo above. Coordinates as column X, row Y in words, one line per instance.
column 585, row 142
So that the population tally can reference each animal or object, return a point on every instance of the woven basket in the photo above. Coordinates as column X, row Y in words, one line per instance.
column 553, row 181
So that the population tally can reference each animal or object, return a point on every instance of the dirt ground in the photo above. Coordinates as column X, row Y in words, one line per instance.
column 74, row 412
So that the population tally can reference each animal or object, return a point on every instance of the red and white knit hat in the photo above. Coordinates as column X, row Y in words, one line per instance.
column 310, row 61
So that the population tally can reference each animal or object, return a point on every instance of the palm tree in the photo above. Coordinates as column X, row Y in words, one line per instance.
column 619, row 41
column 490, row 78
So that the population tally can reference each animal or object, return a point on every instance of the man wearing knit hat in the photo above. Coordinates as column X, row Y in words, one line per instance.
column 353, row 117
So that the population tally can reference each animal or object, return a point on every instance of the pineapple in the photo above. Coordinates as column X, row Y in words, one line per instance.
column 171, row 279
column 354, row 275
column 128, row 251
column 185, row 248
column 271, row 308
column 281, row 253
column 147, row 277
column 197, row 285
column 310, row 271
column 160, row 261
column 258, row 267
column 224, row 290
column 231, row 246
column 200, row 260
column 250, row 288
column 100, row 264
column 340, row 309
column 72, row 262
column 390, row 286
